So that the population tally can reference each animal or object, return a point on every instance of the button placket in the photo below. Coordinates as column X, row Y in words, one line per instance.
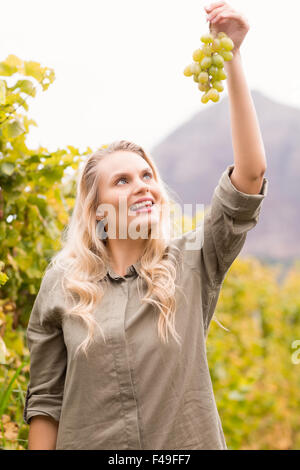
column 122, row 366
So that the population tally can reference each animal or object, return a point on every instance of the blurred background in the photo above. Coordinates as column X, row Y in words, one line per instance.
column 77, row 75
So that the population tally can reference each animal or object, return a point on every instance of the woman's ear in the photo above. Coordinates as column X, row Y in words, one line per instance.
column 100, row 229
column 99, row 213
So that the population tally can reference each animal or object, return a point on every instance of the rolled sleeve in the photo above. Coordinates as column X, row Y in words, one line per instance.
column 222, row 233
column 231, row 215
column 48, row 356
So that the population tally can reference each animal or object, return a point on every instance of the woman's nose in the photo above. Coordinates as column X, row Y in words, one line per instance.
column 141, row 187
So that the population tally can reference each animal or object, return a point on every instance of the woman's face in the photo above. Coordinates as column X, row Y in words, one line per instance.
column 125, row 178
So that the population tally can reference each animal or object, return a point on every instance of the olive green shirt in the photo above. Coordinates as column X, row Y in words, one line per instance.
column 134, row 392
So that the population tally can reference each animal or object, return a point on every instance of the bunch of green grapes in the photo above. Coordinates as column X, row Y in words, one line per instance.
column 208, row 66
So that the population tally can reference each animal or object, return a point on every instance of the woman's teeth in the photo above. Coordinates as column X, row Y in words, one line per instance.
column 134, row 207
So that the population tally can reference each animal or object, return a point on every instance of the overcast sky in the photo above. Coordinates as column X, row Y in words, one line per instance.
column 119, row 64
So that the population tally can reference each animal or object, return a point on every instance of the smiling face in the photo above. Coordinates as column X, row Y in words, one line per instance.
column 125, row 178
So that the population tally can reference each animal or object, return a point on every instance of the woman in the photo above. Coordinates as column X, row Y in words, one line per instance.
column 118, row 329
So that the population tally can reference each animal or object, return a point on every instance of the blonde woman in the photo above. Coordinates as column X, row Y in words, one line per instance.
column 117, row 332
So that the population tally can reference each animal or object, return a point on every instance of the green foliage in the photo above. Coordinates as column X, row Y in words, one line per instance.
column 36, row 200
column 3, row 276
column 5, row 390
column 255, row 379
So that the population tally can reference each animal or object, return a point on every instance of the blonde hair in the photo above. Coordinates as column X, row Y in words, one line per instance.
column 84, row 258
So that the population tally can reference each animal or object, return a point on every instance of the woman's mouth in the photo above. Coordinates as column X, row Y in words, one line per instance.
column 144, row 209
column 141, row 207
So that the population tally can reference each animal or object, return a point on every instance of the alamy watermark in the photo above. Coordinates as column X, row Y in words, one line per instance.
column 296, row 354
column 143, row 221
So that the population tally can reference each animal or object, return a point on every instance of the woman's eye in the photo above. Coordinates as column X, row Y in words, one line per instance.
column 123, row 177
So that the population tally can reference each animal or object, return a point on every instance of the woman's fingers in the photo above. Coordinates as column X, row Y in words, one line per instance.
column 222, row 16
column 228, row 14
column 215, row 12
column 214, row 5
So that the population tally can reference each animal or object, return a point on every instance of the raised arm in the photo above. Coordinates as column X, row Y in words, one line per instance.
column 248, row 148
column 249, row 154
column 238, row 197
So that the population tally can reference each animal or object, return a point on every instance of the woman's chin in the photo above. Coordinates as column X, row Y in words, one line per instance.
column 142, row 224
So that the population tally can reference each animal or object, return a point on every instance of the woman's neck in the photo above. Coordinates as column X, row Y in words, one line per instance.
column 124, row 253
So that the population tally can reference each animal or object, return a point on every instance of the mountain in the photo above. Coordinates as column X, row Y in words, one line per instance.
column 192, row 158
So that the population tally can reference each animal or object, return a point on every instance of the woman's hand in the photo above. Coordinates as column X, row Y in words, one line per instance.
column 223, row 17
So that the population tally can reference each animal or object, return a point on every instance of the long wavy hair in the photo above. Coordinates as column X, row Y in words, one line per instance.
column 84, row 258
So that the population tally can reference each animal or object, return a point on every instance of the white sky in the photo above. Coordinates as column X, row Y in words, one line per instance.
column 119, row 63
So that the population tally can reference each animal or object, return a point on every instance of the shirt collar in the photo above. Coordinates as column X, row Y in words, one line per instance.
column 132, row 270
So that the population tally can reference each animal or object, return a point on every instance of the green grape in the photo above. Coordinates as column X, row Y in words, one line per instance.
column 227, row 43
column 226, row 55
column 218, row 86
column 218, row 61
column 205, row 98
column 203, row 77
column 213, row 95
column 216, row 45
column 206, row 62
column 187, row 71
column 221, row 75
column 209, row 63
column 207, row 38
column 207, row 51
column 204, row 86
column 197, row 68
column 198, row 55
column 213, row 71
